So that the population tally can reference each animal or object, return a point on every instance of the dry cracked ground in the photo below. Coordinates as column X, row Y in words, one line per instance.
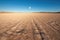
column 29, row 26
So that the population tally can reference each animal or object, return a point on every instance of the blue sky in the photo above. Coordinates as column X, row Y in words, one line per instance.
column 35, row 5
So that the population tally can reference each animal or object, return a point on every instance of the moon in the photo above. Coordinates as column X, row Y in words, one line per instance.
column 29, row 7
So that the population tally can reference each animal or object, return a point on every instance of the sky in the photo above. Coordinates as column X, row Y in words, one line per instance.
column 29, row 5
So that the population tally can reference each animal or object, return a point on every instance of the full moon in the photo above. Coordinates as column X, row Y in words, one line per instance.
column 29, row 7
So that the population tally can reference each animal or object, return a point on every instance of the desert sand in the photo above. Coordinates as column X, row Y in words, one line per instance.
column 29, row 26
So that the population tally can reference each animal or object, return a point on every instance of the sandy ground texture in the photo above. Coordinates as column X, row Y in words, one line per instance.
column 29, row 26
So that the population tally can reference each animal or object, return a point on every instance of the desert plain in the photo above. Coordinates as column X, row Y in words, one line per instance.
column 29, row 26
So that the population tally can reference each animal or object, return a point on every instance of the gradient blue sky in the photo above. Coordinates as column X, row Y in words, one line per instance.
column 36, row 5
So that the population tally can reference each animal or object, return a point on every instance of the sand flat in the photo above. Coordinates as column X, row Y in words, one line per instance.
column 29, row 26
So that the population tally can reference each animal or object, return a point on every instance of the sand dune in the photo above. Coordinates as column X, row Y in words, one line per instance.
column 30, row 26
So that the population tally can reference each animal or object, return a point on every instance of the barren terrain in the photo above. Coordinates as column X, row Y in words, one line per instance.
column 29, row 26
